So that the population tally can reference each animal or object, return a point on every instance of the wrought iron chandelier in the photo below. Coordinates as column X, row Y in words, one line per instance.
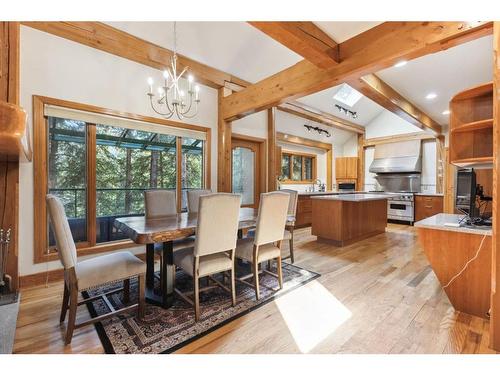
column 175, row 96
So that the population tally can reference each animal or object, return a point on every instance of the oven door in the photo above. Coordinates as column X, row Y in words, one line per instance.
column 400, row 210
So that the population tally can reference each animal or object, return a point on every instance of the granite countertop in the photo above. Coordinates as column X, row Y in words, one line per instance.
column 330, row 192
column 438, row 222
column 430, row 194
column 353, row 197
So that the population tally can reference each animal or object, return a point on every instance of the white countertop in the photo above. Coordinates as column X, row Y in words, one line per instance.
column 329, row 192
column 438, row 222
column 353, row 197
column 430, row 194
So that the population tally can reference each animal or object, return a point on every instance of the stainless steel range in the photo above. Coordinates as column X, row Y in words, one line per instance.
column 401, row 207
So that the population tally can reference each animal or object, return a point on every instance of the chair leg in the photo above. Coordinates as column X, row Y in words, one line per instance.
column 196, row 299
column 280, row 272
column 64, row 307
column 291, row 246
column 73, row 303
column 126, row 290
column 141, row 286
column 233, row 287
column 255, row 267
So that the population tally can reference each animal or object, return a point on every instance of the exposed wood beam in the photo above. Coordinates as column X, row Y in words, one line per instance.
column 368, row 52
column 360, row 184
column 495, row 274
column 296, row 140
column 305, row 39
column 381, row 93
column 109, row 39
column 304, row 111
column 397, row 138
column 224, row 132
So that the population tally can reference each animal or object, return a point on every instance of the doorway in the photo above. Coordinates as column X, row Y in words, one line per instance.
column 248, row 168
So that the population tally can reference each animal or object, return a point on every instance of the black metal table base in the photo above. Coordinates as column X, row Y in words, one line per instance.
column 164, row 296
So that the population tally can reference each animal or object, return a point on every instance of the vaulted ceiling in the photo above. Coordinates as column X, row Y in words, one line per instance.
column 245, row 52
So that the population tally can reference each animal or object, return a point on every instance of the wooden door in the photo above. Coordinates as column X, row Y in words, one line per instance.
column 246, row 167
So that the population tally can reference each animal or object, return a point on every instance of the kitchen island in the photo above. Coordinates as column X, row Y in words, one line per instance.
column 449, row 245
column 344, row 219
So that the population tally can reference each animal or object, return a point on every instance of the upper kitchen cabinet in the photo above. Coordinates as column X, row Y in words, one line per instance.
column 346, row 168
column 471, row 127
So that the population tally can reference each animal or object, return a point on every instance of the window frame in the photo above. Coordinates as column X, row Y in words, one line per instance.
column 303, row 180
column 42, row 252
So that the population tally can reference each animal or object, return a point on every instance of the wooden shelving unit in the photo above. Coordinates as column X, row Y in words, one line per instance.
column 471, row 127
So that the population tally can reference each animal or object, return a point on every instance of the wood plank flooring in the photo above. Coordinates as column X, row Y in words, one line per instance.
column 376, row 296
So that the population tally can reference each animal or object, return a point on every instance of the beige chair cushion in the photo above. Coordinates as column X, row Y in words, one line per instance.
column 108, row 268
column 64, row 239
column 244, row 250
column 184, row 243
column 209, row 264
column 159, row 203
column 193, row 199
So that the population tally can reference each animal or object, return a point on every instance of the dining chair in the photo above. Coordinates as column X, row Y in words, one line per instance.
column 89, row 274
column 269, row 233
column 214, row 247
column 193, row 198
column 290, row 223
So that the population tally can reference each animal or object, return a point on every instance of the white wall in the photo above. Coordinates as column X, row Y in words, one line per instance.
column 387, row 124
column 350, row 147
column 58, row 68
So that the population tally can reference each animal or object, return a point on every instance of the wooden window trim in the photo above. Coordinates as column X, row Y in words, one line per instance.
column 42, row 253
column 301, row 155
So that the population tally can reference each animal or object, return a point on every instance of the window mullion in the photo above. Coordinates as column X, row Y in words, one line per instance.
column 178, row 188
column 91, row 184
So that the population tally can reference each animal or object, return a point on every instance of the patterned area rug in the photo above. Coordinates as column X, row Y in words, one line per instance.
column 167, row 330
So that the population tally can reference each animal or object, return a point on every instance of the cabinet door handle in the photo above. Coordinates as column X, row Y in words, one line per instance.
column 428, row 206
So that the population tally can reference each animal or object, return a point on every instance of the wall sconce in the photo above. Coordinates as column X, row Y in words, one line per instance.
column 319, row 130
column 346, row 111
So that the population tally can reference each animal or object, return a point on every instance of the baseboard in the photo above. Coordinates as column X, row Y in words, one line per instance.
column 37, row 279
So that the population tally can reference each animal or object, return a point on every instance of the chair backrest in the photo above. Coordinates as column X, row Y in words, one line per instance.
column 193, row 199
column 292, row 204
column 217, row 228
column 66, row 248
column 159, row 203
column 273, row 209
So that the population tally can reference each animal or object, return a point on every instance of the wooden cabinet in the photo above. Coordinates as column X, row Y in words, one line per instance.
column 427, row 205
column 304, row 211
column 471, row 127
column 346, row 168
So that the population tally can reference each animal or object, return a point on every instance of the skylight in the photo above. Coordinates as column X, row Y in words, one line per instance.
column 347, row 95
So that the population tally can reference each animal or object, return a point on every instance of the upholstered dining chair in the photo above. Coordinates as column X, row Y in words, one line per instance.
column 269, row 233
column 91, row 273
column 214, row 246
column 290, row 223
column 159, row 203
column 193, row 199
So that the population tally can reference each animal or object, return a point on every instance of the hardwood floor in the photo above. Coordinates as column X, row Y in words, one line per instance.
column 375, row 296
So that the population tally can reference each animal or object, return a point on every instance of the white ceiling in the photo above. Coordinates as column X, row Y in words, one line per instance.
column 233, row 47
column 444, row 73
column 341, row 31
column 366, row 109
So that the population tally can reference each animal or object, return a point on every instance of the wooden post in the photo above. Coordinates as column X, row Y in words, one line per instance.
column 329, row 168
column 495, row 259
column 360, row 185
column 224, row 130
column 271, row 149
column 9, row 169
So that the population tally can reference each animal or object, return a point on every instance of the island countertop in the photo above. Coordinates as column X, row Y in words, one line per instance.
column 353, row 197
column 329, row 192
column 438, row 222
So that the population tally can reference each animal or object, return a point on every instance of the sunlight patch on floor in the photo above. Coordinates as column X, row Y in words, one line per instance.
column 311, row 314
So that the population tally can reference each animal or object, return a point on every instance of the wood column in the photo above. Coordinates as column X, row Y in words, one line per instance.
column 495, row 259
column 224, row 130
column 360, row 184
column 9, row 169
column 329, row 168
column 271, row 149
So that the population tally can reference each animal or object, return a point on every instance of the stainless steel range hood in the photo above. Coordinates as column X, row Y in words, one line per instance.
column 398, row 157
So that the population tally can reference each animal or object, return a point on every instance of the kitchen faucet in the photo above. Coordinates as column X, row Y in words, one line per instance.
column 318, row 182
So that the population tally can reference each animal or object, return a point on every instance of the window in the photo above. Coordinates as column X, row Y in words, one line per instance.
column 298, row 167
column 100, row 170
column 347, row 95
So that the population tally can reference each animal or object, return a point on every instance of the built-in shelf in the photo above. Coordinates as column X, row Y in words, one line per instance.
column 474, row 162
column 474, row 125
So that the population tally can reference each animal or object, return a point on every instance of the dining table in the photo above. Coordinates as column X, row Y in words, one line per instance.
column 165, row 230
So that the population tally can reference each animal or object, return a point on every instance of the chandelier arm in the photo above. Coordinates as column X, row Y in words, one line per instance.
column 190, row 105
column 195, row 112
column 164, row 114
column 170, row 110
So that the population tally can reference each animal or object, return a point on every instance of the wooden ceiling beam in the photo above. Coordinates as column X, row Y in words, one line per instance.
column 381, row 93
column 112, row 40
column 311, row 114
column 305, row 39
column 368, row 52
